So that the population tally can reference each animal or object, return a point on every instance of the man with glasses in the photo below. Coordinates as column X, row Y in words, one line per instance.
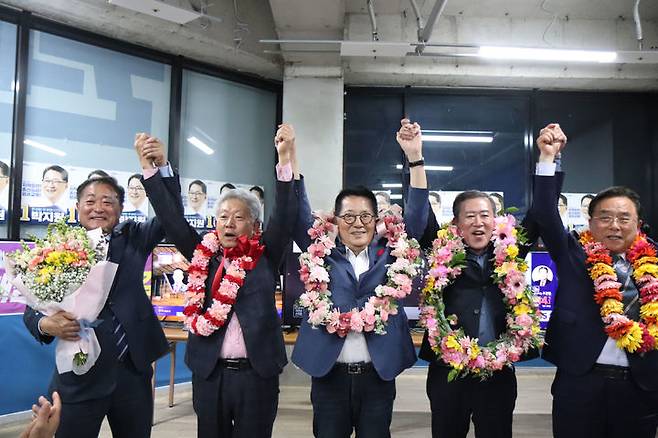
column 54, row 189
column 353, row 377
column 601, row 335
column 137, row 208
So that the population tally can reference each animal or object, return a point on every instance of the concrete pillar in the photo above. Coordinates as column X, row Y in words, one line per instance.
column 313, row 104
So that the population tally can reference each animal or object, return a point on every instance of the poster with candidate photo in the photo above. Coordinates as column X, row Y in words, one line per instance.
column 200, row 198
column 169, row 283
column 49, row 193
column 573, row 210
column 441, row 203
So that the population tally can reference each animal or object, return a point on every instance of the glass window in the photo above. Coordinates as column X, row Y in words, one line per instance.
column 84, row 106
column 227, row 132
column 7, row 76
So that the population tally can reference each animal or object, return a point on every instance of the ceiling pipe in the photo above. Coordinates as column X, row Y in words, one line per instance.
column 426, row 33
column 373, row 19
column 419, row 18
column 638, row 24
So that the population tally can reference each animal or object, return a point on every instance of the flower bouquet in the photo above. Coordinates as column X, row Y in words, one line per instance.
column 62, row 273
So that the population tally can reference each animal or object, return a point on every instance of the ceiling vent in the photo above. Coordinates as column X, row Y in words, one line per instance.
column 158, row 9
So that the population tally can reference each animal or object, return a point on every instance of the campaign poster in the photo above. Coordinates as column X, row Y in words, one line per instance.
column 441, row 203
column 11, row 301
column 543, row 282
column 200, row 200
column 169, row 283
column 49, row 193
column 573, row 210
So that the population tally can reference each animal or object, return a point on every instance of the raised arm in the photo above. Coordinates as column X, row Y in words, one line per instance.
column 163, row 190
column 279, row 229
column 544, row 211
column 417, row 207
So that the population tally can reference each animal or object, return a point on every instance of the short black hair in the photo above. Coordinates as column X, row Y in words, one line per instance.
column 137, row 176
column 470, row 194
column 360, row 191
column 564, row 199
column 199, row 183
column 435, row 195
column 257, row 189
column 59, row 169
column 98, row 172
column 590, row 197
column 4, row 169
column 226, row 185
column 615, row 192
column 107, row 180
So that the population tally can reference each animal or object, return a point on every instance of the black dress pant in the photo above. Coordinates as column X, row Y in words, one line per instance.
column 489, row 403
column 129, row 408
column 344, row 401
column 602, row 404
column 235, row 403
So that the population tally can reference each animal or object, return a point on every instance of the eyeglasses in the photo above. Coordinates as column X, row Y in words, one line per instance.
column 53, row 181
column 350, row 218
column 609, row 220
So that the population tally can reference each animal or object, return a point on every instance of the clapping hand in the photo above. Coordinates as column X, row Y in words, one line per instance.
column 150, row 150
column 550, row 142
column 45, row 419
column 409, row 139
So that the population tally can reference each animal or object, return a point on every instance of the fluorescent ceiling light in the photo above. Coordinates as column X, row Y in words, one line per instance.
column 438, row 168
column 44, row 147
column 392, row 185
column 525, row 53
column 458, row 138
column 396, row 196
column 201, row 145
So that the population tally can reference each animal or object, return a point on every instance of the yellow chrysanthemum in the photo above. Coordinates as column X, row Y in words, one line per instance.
column 514, row 232
column 535, row 329
column 643, row 260
column 522, row 308
column 452, row 343
column 644, row 269
column 631, row 340
column 600, row 269
column 649, row 310
column 429, row 285
column 611, row 306
column 523, row 266
column 442, row 233
column 512, row 251
column 653, row 330
column 475, row 350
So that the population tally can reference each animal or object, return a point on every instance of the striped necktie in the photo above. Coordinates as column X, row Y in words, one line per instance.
column 630, row 295
column 118, row 332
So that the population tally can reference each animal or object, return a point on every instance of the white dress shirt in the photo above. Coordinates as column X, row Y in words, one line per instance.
column 355, row 348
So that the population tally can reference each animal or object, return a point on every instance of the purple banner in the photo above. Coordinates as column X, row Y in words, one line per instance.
column 543, row 274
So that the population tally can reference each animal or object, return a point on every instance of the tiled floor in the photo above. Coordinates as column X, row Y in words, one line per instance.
column 410, row 418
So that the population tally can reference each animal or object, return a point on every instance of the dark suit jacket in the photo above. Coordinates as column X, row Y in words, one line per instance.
column 575, row 334
column 255, row 304
column 464, row 297
column 130, row 245
column 316, row 350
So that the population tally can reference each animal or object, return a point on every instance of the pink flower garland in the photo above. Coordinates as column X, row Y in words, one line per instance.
column 205, row 323
column 461, row 352
column 374, row 315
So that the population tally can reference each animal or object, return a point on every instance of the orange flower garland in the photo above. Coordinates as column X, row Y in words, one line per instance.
column 632, row 336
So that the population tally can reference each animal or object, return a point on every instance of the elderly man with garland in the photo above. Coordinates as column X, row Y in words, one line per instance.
column 235, row 349
column 355, row 341
column 602, row 335
column 480, row 318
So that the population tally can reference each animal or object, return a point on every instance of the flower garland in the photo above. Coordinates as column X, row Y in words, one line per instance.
column 632, row 336
column 461, row 352
column 242, row 259
column 374, row 315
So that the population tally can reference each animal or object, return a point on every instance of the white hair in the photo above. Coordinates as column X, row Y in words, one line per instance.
column 250, row 200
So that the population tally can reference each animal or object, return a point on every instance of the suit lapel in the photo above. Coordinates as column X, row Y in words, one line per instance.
column 341, row 260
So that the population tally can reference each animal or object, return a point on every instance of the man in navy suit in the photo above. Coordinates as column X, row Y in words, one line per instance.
column 599, row 390
column 235, row 369
column 119, row 384
column 353, row 377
